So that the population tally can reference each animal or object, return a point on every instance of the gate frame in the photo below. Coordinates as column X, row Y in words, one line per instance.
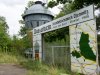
column 61, row 23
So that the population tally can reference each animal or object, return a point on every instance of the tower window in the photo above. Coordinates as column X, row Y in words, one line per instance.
column 31, row 24
column 44, row 22
column 37, row 23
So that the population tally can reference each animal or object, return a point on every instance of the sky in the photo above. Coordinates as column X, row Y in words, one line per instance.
column 12, row 10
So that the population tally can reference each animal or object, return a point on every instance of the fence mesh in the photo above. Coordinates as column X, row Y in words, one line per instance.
column 57, row 55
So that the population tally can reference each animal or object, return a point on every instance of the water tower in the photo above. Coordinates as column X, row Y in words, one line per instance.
column 37, row 15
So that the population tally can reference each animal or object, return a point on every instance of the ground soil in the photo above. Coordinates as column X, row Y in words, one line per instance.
column 11, row 69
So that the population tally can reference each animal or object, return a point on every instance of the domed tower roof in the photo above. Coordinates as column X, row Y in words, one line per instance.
column 37, row 8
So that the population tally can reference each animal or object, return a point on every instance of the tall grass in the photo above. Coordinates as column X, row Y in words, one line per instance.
column 9, row 58
column 33, row 67
column 37, row 68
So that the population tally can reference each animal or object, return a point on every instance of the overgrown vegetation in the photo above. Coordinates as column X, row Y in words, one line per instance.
column 56, row 35
column 12, row 49
column 33, row 67
column 11, row 58
column 38, row 68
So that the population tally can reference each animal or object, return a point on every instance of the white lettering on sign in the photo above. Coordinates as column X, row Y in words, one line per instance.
column 70, row 19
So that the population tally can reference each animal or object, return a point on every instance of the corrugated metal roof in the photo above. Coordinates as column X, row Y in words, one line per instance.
column 37, row 8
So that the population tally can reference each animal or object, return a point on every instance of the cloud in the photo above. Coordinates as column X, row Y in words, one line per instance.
column 12, row 2
column 12, row 13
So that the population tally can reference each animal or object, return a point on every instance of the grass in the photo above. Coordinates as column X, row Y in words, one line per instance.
column 9, row 58
column 37, row 68
column 33, row 67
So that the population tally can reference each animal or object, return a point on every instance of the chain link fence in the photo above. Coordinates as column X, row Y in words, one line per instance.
column 57, row 55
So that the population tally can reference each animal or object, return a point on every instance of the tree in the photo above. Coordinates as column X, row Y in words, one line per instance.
column 57, row 2
column 67, row 8
column 3, row 24
column 82, row 3
column 30, row 3
column 56, row 35
column 3, row 34
column 17, row 45
column 23, row 30
column 77, row 4
column 26, row 39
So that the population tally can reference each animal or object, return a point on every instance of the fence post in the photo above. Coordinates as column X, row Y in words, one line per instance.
column 52, row 54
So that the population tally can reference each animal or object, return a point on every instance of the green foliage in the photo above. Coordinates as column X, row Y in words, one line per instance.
column 27, row 42
column 17, row 46
column 37, row 68
column 30, row 3
column 7, row 58
column 77, row 4
column 57, row 2
column 4, row 37
column 36, row 65
column 3, row 24
column 52, row 3
column 81, row 3
column 33, row 67
column 67, row 9
column 63, row 1
column 26, row 39
column 56, row 35
column 10, row 58
column 23, row 31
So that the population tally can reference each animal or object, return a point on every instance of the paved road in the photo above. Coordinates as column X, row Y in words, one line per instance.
column 9, row 69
